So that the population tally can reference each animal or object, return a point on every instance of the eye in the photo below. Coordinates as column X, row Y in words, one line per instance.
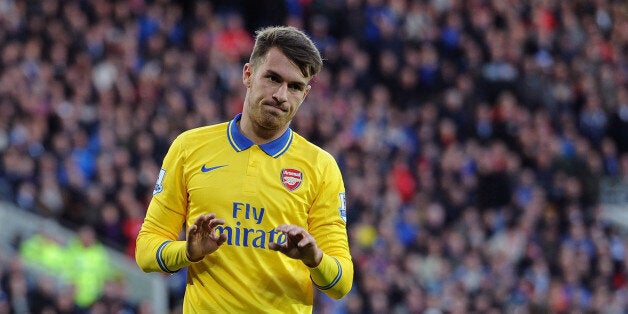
column 274, row 78
column 296, row 87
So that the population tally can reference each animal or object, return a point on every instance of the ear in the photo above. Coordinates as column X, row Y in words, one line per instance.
column 247, row 73
column 307, row 91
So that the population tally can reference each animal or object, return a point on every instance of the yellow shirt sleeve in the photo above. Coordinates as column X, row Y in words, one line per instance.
column 158, row 246
column 327, row 223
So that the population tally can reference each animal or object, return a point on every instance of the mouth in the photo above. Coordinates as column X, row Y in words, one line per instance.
column 275, row 107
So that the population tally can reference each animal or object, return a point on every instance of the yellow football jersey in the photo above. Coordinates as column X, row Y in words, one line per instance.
column 254, row 188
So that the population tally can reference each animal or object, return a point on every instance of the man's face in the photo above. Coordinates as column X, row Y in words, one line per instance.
column 275, row 90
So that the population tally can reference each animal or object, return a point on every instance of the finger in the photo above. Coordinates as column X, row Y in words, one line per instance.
column 282, row 228
column 290, row 230
column 192, row 231
column 215, row 222
column 305, row 242
column 221, row 239
column 202, row 220
column 216, row 235
column 277, row 247
column 206, row 217
column 198, row 220
column 296, row 235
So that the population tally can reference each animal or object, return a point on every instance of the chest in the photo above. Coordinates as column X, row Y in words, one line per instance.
column 250, row 188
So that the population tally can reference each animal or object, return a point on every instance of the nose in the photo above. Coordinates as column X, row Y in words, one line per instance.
column 281, row 93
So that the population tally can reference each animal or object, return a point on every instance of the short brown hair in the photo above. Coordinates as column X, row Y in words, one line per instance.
column 293, row 43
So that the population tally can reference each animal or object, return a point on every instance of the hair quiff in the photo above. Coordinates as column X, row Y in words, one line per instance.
column 293, row 43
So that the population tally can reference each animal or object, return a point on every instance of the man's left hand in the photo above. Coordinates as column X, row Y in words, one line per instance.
column 300, row 244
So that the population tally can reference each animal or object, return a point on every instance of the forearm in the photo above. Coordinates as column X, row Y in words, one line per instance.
column 158, row 254
column 333, row 276
column 158, row 248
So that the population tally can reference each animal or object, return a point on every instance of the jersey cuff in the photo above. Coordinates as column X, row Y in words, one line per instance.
column 327, row 273
column 160, row 260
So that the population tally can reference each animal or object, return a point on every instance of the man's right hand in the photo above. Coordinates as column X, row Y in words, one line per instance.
column 202, row 238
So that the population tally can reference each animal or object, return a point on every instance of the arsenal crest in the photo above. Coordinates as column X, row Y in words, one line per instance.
column 291, row 178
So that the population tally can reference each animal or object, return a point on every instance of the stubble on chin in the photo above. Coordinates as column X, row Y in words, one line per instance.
column 270, row 121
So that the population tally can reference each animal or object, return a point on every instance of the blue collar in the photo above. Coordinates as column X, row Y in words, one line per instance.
column 239, row 142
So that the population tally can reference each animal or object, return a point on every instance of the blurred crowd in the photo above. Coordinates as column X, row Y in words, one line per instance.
column 472, row 135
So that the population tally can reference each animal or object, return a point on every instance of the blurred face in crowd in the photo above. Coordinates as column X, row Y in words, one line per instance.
column 276, row 87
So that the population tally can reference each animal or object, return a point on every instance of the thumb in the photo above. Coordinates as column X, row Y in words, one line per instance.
column 274, row 246
column 221, row 239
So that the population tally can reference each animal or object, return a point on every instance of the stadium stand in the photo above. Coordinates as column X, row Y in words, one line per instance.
column 484, row 143
column 51, row 261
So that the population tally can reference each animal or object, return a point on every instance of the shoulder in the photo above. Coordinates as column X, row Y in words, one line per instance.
column 304, row 147
column 203, row 133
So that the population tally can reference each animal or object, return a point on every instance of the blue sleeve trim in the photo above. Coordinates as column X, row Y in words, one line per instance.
column 333, row 282
column 160, row 260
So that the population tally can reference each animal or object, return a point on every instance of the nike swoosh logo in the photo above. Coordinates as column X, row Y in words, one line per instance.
column 205, row 169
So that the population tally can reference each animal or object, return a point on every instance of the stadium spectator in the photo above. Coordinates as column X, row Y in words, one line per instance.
column 82, row 264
